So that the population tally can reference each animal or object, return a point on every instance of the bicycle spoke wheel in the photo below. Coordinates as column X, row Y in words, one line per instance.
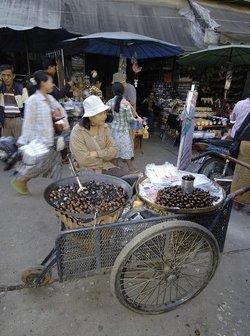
column 164, row 266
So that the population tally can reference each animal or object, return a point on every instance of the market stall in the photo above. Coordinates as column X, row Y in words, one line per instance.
column 222, row 73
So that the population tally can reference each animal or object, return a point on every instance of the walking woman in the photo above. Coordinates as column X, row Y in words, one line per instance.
column 38, row 125
column 120, row 126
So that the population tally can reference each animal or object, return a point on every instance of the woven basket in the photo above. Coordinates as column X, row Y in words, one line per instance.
column 76, row 223
column 89, row 244
column 87, row 241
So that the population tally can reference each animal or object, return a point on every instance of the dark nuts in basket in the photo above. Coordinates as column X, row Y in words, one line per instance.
column 97, row 197
column 173, row 197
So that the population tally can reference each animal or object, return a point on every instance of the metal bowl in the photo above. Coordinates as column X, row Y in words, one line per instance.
column 168, row 210
column 87, row 178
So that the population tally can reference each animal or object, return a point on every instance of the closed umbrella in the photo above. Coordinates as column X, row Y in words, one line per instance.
column 125, row 43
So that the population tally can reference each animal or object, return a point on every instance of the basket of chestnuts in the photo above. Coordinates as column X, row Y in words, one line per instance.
column 101, row 201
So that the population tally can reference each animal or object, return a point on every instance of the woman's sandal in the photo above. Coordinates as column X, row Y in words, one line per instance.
column 20, row 187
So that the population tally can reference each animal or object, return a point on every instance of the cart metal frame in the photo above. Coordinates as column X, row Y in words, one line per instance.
column 93, row 250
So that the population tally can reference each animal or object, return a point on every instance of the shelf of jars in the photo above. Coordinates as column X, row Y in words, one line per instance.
column 207, row 124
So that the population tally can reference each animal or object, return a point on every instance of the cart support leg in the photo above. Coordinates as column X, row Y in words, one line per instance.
column 46, row 269
column 52, row 252
column 98, row 249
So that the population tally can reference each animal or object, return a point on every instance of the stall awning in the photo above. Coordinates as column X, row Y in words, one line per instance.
column 149, row 18
column 233, row 20
column 160, row 19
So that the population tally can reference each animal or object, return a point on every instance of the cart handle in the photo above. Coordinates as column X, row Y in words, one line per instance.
column 224, row 156
column 230, row 158
column 239, row 192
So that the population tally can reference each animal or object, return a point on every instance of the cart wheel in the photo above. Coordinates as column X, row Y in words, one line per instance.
column 31, row 274
column 164, row 266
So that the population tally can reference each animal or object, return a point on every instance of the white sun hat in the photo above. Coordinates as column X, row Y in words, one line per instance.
column 93, row 105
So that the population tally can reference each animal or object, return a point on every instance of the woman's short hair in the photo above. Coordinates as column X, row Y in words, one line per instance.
column 85, row 122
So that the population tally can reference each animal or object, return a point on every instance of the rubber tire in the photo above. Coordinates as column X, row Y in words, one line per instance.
column 212, row 160
column 139, row 240
column 229, row 172
column 30, row 274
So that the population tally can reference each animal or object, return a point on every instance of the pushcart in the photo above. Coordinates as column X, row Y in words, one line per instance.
column 157, row 262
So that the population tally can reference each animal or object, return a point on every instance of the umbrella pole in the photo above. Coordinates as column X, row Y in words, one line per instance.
column 63, row 66
column 28, row 61
column 231, row 54
column 225, row 95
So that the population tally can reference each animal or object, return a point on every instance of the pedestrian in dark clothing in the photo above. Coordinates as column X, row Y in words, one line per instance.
column 148, row 108
column 50, row 66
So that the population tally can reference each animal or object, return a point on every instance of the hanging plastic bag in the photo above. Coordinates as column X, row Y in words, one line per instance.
column 34, row 153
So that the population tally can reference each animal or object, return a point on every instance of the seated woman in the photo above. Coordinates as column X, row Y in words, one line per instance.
column 91, row 143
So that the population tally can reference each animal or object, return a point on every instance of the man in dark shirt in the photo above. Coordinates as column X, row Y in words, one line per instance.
column 149, row 108
column 50, row 66
column 129, row 90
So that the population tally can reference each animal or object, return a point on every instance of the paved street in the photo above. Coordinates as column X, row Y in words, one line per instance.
column 85, row 307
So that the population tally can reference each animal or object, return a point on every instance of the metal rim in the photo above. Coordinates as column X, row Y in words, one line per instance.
column 86, row 178
column 166, row 210
column 164, row 267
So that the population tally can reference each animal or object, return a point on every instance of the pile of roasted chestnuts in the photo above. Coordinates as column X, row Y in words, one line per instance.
column 173, row 197
column 97, row 197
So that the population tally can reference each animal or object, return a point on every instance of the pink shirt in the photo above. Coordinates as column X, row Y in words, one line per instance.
column 240, row 111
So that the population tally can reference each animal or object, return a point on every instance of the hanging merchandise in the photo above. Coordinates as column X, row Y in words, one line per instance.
column 122, row 64
column 229, row 77
column 136, row 68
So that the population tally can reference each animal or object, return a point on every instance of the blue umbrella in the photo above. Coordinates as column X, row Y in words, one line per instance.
column 117, row 43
